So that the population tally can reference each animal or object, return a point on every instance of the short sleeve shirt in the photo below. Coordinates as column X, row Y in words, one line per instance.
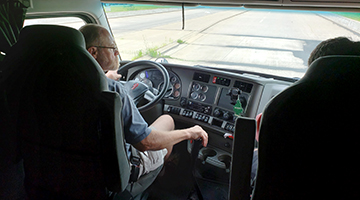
column 135, row 127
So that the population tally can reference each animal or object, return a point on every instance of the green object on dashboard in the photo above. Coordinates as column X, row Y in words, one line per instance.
column 238, row 108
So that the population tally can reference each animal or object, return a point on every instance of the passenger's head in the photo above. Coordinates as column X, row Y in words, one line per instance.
column 335, row 46
column 101, row 45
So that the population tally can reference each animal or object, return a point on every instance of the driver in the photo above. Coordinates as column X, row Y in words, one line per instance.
column 153, row 142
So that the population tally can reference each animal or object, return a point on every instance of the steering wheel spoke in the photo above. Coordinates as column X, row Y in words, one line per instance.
column 149, row 96
column 139, row 91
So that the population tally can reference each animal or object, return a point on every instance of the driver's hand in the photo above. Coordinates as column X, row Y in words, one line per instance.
column 196, row 132
column 112, row 74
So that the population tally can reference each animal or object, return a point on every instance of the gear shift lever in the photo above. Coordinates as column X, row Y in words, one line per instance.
column 196, row 146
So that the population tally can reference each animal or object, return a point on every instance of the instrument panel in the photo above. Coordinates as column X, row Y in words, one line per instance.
column 209, row 97
column 212, row 99
column 206, row 98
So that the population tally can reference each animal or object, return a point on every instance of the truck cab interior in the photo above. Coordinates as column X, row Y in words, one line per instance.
column 278, row 126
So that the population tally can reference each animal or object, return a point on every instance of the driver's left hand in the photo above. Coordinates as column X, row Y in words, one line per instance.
column 112, row 74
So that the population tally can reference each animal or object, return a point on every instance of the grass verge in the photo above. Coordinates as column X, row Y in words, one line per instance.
column 130, row 7
column 354, row 16
column 152, row 52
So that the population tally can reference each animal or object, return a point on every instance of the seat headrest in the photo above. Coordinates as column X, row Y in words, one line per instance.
column 49, row 50
column 51, row 34
column 333, row 68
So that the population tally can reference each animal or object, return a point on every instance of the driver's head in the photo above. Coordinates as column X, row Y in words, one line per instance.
column 101, row 45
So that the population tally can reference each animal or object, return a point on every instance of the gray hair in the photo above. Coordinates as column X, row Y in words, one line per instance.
column 91, row 34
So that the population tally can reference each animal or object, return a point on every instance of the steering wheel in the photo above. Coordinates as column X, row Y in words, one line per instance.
column 140, row 91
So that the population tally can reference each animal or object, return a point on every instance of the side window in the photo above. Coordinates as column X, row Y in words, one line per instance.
column 73, row 22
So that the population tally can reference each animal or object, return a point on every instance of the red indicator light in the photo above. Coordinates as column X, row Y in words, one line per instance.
column 214, row 79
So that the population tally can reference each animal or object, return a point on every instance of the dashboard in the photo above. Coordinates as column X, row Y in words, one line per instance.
column 153, row 78
column 213, row 99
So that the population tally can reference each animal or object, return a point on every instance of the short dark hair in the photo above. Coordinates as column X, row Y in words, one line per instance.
column 91, row 34
column 335, row 46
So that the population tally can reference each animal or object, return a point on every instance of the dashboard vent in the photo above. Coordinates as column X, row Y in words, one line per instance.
column 201, row 77
column 245, row 87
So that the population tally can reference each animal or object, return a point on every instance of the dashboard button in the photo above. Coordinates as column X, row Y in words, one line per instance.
column 206, row 119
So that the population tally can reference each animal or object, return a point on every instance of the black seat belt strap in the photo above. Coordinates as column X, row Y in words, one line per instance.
column 135, row 164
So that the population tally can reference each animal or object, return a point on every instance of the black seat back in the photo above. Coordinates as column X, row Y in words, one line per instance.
column 308, row 147
column 69, row 126
column 242, row 157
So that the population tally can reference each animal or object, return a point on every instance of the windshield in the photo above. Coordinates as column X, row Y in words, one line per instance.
column 273, row 42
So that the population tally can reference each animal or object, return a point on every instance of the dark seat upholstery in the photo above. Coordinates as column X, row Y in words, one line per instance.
column 70, row 136
column 242, row 157
column 308, row 145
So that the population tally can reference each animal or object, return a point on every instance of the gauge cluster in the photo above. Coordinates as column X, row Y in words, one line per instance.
column 203, row 92
column 153, row 78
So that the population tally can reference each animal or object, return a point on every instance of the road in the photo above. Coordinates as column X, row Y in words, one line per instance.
column 157, row 30
column 273, row 42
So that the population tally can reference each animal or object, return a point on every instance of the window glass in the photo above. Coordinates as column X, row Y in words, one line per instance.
column 276, row 42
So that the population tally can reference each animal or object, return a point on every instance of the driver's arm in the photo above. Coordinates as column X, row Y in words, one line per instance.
column 161, row 134
column 159, row 139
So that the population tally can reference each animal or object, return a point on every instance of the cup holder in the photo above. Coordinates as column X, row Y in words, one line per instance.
column 226, row 159
column 207, row 153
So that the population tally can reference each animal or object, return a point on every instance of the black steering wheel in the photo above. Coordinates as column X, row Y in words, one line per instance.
column 140, row 91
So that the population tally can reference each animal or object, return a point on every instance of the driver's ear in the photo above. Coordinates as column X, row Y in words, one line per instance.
column 93, row 51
